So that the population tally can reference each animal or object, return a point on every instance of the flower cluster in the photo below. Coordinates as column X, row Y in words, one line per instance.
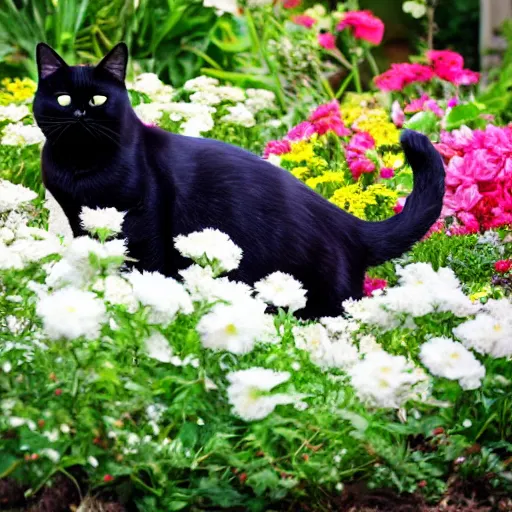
column 207, row 103
column 478, row 180
column 444, row 65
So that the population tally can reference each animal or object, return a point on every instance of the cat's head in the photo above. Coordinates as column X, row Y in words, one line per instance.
column 81, row 105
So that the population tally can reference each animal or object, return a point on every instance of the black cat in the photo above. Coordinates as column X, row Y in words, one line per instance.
column 99, row 154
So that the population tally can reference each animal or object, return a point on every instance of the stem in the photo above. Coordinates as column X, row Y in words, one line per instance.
column 373, row 63
column 357, row 77
column 344, row 85
column 11, row 469
column 261, row 50
column 341, row 58
column 431, row 9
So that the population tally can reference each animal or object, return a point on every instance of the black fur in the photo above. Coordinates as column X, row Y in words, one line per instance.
column 170, row 184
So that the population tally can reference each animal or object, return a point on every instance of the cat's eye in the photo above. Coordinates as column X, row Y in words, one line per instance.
column 97, row 101
column 64, row 100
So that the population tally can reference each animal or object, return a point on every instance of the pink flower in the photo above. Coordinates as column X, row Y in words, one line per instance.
column 453, row 102
column 387, row 173
column 362, row 141
column 291, row 4
column 304, row 20
column 400, row 203
column 401, row 75
column 503, row 266
column 365, row 26
column 327, row 40
column 371, row 284
column 302, row 131
column 277, row 147
column 327, row 118
column 355, row 154
column 361, row 165
column 397, row 114
column 466, row 77
column 443, row 59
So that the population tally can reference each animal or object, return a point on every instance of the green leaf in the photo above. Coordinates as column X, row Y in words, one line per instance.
column 462, row 115
column 176, row 505
column 424, row 122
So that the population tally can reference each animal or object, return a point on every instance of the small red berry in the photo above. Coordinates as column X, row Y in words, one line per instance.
column 305, row 457
column 58, row 392
column 438, row 431
column 108, row 478
column 422, row 484
column 40, row 423
column 34, row 456
column 242, row 478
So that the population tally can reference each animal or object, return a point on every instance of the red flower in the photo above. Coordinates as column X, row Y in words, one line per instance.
column 370, row 285
column 327, row 118
column 108, row 478
column 291, row 4
column 365, row 26
column 503, row 266
column 305, row 21
column 327, row 40
column 276, row 147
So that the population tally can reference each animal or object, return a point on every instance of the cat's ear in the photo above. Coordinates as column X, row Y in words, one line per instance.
column 48, row 60
column 115, row 61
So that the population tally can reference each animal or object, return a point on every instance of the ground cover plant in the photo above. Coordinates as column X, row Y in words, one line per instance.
column 122, row 390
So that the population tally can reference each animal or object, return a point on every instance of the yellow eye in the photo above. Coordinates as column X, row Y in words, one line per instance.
column 97, row 101
column 64, row 100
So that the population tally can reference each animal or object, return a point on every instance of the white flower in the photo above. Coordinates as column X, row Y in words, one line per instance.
column 282, row 290
column 93, row 461
column 487, row 335
column 71, row 313
column 222, row 6
column 108, row 219
column 227, row 93
column 258, row 3
column 51, row 454
column 204, row 83
column 246, row 392
column 239, row 114
column 197, row 125
column 10, row 259
column 13, row 196
column 164, row 296
column 119, row 291
column 446, row 358
column 236, row 327
column 260, row 99
column 13, row 112
column 383, row 380
column 35, row 250
column 212, row 243
column 205, row 98
column 150, row 84
column 157, row 347
column 148, row 113
column 323, row 352
column 58, row 223
column 22, row 135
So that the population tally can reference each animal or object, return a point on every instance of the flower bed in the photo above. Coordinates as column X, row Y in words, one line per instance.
column 171, row 394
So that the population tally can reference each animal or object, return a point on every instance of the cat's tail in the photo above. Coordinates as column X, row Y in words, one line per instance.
column 391, row 238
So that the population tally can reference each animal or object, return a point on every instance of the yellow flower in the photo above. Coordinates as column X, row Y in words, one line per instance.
column 16, row 90
column 302, row 151
column 326, row 177
column 393, row 161
column 357, row 201
column 300, row 172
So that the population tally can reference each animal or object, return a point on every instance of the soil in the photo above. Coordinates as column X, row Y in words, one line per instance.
column 63, row 496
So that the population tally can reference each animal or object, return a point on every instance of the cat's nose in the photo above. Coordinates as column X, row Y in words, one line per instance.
column 79, row 113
